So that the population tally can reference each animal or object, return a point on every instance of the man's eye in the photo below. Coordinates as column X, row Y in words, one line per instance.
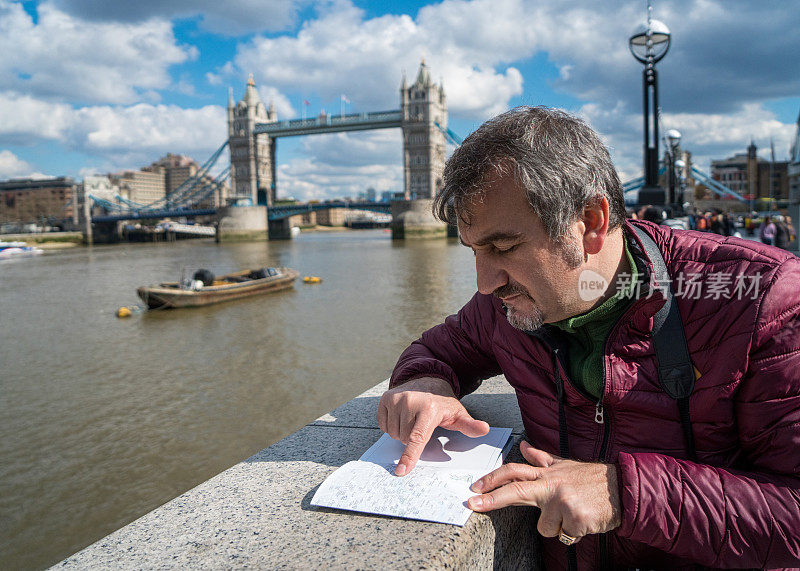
column 506, row 250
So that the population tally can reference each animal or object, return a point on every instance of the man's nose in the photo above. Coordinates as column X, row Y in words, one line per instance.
column 490, row 275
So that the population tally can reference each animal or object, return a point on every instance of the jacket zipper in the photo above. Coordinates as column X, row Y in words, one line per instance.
column 601, row 416
column 598, row 412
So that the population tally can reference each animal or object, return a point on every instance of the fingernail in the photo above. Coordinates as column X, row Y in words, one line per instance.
column 400, row 470
column 477, row 486
column 476, row 502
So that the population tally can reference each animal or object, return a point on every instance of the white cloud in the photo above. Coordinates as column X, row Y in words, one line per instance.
column 27, row 120
column 344, row 164
column 68, row 59
column 213, row 78
column 229, row 17
column 752, row 121
column 477, row 47
column 706, row 136
column 356, row 149
column 95, row 170
column 282, row 105
column 714, row 85
column 120, row 135
column 721, row 135
column 305, row 179
column 149, row 127
column 341, row 52
column 186, row 86
column 11, row 166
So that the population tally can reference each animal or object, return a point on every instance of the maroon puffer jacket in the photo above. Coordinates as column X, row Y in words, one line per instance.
column 739, row 505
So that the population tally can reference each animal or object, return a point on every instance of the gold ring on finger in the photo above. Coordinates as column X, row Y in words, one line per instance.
column 566, row 539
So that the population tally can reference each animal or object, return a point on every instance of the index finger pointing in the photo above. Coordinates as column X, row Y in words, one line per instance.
column 417, row 439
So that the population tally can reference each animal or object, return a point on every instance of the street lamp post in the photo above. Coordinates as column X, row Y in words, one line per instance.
column 674, row 141
column 649, row 44
column 680, row 165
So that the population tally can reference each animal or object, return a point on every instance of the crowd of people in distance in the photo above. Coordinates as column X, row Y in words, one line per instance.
column 772, row 230
column 777, row 231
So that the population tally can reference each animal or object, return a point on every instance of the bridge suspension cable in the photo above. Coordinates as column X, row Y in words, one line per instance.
column 192, row 190
column 198, row 195
column 716, row 186
column 449, row 135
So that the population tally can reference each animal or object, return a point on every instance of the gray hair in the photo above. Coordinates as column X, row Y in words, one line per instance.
column 555, row 157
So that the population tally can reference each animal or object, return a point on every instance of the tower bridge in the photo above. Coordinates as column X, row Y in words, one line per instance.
column 253, row 131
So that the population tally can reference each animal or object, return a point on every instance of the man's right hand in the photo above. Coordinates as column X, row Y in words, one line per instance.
column 410, row 413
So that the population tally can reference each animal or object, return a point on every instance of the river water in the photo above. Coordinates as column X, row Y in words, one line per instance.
column 103, row 419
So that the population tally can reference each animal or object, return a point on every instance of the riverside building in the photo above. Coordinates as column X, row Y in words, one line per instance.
column 166, row 177
column 29, row 201
column 794, row 166
column 751, row 176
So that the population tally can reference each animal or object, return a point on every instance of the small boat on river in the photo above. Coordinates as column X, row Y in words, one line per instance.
column 205, row 288
column 9, row 250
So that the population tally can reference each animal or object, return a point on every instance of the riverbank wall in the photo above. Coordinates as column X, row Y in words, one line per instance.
column 45, row 238
column 258, row 513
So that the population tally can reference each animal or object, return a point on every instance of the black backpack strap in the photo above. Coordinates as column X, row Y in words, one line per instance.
column 675, row 370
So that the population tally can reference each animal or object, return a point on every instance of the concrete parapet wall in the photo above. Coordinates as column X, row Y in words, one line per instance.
column 258, row 514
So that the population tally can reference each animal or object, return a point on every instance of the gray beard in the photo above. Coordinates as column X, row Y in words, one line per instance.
column 574, row 257
column 524, row 322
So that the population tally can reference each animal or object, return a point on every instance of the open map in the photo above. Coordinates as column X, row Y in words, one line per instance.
column 436, row 490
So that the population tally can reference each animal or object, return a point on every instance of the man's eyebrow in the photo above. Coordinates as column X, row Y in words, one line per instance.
column 493, row 238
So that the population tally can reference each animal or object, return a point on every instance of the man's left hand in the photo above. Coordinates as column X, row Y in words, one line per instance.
column 577, row 497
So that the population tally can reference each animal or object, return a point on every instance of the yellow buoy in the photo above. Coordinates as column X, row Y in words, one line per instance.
column 123, row 312
column 312, row 280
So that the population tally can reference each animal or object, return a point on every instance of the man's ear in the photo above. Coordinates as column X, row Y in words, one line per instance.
column 595, row 225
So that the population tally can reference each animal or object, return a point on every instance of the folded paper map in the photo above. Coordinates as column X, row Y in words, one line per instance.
column 436, row 490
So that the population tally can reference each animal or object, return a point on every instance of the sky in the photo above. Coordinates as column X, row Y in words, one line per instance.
column 92, row 86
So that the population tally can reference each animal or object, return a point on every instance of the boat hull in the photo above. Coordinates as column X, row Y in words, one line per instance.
column 15, row 250
column 169, row 296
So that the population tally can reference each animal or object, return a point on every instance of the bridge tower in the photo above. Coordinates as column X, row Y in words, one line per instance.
column 423, row 105
column 252, row 156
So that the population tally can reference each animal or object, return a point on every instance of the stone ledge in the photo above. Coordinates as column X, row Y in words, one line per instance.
column 258, row 513
column 494, row 401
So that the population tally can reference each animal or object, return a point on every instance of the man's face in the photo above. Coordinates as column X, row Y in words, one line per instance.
column 535, row 277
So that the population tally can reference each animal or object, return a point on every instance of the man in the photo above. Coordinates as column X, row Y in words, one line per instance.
column 767, row 231
column 781, row 239
column 537, row 199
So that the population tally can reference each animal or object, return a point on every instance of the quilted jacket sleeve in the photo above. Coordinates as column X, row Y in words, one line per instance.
column 458, row 351
column 747, row 517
